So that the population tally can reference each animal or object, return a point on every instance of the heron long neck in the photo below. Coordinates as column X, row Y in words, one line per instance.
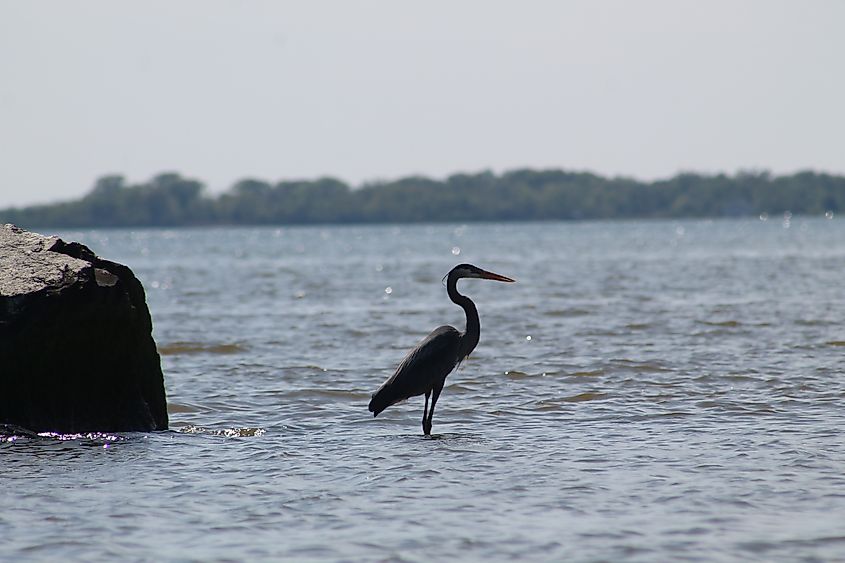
column 473, row 331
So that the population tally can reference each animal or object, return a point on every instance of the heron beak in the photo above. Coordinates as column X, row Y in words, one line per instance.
column 491, row 276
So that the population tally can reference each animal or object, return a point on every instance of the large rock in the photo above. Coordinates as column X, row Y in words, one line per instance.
column 76, row 346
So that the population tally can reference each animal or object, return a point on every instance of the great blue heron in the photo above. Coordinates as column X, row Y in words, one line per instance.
column 424, row 369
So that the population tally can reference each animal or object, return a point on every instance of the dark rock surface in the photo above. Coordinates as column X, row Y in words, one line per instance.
column 76, row 346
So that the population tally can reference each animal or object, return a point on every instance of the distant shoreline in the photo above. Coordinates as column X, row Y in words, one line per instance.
column 171, row 200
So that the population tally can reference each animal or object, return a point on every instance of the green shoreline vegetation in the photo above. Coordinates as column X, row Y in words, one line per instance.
column 520, row 195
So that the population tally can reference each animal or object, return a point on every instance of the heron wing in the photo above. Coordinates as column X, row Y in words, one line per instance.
column 424, row 366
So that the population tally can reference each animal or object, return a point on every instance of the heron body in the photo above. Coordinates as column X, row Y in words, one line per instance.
column 424, row 369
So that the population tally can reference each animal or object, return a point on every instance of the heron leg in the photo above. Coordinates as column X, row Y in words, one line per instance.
column 435, row 394
column 425, row 411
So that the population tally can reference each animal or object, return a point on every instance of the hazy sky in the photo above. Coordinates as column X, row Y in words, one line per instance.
column 363, row 90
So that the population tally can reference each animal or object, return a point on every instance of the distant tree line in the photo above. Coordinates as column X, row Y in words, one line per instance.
column 519, row 195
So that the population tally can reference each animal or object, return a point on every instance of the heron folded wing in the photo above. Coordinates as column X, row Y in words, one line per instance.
column 424, row 366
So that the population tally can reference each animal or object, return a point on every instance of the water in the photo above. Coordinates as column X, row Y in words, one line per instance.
column 648, row 391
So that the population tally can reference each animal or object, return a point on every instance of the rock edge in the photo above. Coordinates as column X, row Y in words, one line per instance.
column 76, row 346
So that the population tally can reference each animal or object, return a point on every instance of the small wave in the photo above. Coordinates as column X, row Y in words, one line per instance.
column 358, row 333
column 463, row 387
column 573, row 312
column 813, row 322
column 670, row 414
column 814, row 542
column 312, row 368
column 95, row 436
column 173, row 408
column 738, row 407
column 516, row 374
column 323, row 393
column 11, row 434
column 589, row 373
column 177, row 348
column 645, row 367
column 723, row 324
column 713, row 333
column 558, row 402
column 601, row 333
column 246, row 432
column 581, row 397
column 450, row 437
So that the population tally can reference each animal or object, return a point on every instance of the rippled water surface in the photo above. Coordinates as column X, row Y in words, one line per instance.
column 654, row 391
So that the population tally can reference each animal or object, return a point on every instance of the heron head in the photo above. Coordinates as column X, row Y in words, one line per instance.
column 470, row 271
